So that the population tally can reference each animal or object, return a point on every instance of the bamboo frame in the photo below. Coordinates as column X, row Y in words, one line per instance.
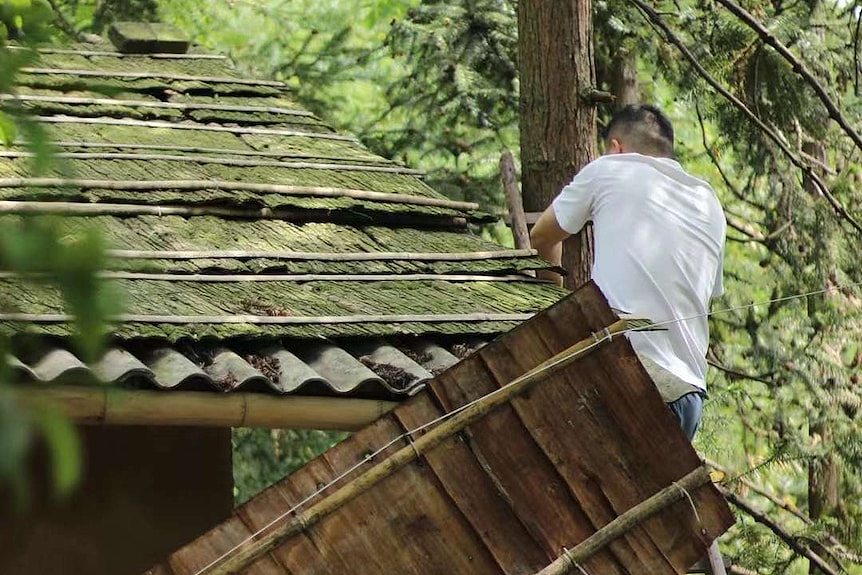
column 106, row 405
column 203, row 150
column 570, row 561
column 109, row 209
column 323, row 256
column 123, row 54
column 153, row 104
column 148, row 75
column 195, row 185
column 245, row 554
column 49, row 318
column 193, row 126
column 233, row 278
column 220, row 161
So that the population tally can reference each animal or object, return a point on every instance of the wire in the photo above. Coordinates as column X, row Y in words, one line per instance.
column 599, row 338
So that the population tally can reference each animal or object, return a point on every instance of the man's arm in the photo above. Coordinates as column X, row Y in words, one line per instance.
column 547, row 237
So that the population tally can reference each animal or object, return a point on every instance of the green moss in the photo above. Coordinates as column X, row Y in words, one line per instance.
column 139, row 63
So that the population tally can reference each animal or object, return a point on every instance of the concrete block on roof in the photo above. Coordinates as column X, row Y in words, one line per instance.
column 147, row 38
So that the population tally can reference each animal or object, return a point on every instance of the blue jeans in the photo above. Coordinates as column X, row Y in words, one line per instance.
column 688, row 410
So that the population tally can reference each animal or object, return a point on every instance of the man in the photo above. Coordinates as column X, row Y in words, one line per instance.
column 659, row 238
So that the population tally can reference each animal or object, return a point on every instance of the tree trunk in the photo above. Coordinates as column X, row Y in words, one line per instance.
column 823, row 472
column 624, row 79
column 558, row 128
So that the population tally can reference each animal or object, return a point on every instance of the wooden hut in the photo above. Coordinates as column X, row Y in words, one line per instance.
column 273, row 271
column 539, row 454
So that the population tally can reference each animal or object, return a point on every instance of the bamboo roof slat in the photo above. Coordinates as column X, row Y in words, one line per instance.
column 154, row 104
column 114, row 209
column 224, row 151
column 154, row 74
column 221, row 161
column 194, row 126
column 313, row 191
column 234, row 278
column 322, row 256
column 275, row 320
column 111, row 54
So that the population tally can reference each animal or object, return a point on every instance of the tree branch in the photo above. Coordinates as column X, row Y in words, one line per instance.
column 656, row 20
column 782, row 534
column 63, row 23
column 767, row 37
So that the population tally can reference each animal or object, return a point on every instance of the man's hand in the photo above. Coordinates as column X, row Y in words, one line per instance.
column 547, row 237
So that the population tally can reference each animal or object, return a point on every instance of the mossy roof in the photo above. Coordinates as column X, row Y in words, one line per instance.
column 174, row 120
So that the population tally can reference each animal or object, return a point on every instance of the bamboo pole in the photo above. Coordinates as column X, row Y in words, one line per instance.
column 716, row 562
column 148, row 75
column 47, row 318
column 194, row 126
column 300, row 278
column 322, row 256
column 220, row 161
column 509, row 177
column 240, row 557
column 571, row 559
column 153, row 104
column 122, row 54
column 195, row 185
column 109, row 209
column 106, row 405
column 368, row 160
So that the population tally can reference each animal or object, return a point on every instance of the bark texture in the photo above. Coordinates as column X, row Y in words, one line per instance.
column 558, row 129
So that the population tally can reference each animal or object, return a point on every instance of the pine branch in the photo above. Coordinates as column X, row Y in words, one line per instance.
column 653, row 17
column 780, row 532
column 856, row 57
column 740, row 375
column 768, row 38
column 63, row 23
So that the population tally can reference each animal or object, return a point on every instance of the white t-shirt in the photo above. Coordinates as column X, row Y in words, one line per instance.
column 659, row 237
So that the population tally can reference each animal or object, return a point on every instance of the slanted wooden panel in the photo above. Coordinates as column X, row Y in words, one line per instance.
column 514, row 489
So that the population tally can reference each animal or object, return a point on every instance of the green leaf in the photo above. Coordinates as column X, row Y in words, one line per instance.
column 8, row 131
column 62, row 440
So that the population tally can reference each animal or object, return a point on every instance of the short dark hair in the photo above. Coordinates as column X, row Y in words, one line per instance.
column 644, row 127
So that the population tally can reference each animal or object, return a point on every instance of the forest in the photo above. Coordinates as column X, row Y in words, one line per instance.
column 766, row 102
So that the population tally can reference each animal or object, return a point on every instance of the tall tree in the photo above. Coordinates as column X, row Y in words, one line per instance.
column 557, row 123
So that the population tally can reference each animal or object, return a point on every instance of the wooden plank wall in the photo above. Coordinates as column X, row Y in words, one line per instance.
column 513, row 490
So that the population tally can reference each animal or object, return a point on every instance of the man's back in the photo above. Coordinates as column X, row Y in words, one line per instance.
column 659, row 240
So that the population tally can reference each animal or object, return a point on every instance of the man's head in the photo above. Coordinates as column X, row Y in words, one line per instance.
column 642, row 129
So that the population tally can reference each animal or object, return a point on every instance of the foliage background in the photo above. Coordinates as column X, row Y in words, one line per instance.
column 434, row 84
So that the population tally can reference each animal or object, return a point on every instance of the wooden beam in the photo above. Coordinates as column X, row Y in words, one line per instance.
column 570, row 561
column 518, row 220
column 106, row 405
